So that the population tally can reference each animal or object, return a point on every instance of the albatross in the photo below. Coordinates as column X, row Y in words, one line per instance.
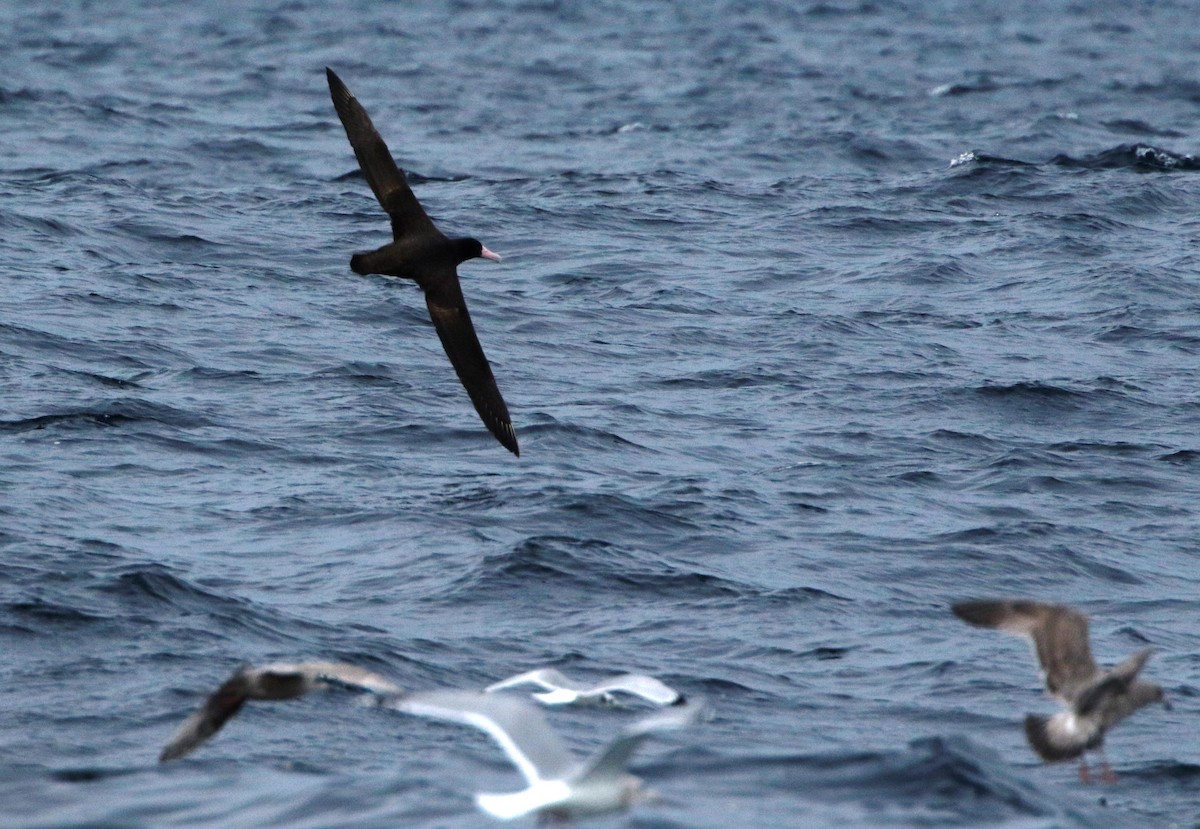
column 1094, row 699
column 422, row 253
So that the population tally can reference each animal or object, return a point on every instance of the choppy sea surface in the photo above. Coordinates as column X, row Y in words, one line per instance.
column 813, row 318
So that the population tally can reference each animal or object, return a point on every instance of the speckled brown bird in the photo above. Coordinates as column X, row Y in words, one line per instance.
column 269, row 682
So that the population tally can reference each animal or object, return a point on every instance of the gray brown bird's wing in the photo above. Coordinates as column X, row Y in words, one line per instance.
column 1116, row 681
column 1059, row 635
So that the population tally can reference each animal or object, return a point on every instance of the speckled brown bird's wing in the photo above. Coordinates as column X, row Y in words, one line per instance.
column 337, row 673
column 208, row 719
column 387, row 180
column 1059, row 635
column 448, row 310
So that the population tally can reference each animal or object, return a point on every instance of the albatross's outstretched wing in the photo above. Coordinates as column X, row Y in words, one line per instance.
column 386, row 179
column 448, row 310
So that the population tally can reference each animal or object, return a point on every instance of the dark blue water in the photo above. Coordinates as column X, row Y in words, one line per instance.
column 813, row 318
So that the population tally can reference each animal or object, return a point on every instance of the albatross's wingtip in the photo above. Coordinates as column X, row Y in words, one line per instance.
column 507, row 436
column 335, row 83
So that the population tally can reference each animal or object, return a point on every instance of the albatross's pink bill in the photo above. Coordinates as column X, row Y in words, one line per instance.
column 487, row 254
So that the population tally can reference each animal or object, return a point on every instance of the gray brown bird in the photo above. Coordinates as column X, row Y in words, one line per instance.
column 1095, row 699
column 422, row 253
column 270, row 682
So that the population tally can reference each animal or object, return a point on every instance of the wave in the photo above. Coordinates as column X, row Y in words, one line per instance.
column 557, row 562
column 941, row 780
column 1138, row 157
column 108, row 414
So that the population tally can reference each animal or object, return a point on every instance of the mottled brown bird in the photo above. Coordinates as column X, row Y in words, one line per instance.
column 270, row 682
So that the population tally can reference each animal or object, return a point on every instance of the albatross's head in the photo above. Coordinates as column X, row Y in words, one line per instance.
column 473, row 249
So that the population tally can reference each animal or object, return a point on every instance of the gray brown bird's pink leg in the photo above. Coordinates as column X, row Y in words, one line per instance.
column 1085, row 776
column 1106, row 773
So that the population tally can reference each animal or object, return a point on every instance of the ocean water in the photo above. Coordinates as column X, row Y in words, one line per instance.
column 813, row 318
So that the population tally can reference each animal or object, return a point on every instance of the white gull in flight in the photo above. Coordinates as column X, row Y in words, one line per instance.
column 559, row 690
column 560, row 786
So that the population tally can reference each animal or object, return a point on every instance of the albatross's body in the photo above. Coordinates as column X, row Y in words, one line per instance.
column 422, row 253
column 1094, row 699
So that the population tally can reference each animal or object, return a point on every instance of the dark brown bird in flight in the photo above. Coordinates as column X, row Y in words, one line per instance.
column 422, row 253
column 270, row 682
column 1095, row 699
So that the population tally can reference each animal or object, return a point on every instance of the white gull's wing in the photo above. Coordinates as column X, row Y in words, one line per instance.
column 611, row 761
column 547, row 679
column 517, row 726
